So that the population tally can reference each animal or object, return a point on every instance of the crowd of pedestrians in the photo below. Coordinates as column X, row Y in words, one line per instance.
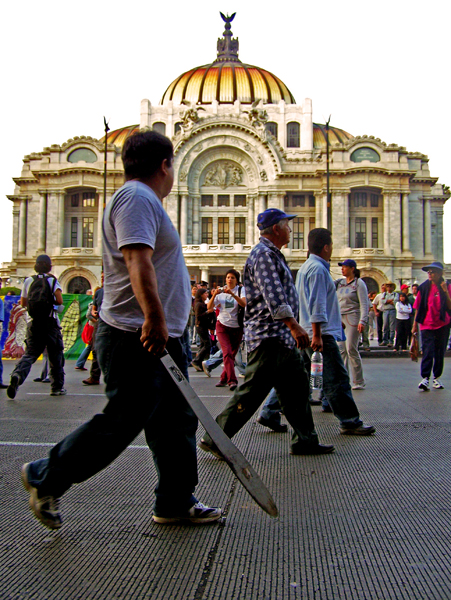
column 146, row 307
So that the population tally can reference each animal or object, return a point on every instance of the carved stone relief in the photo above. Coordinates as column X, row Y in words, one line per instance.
column 224, row 174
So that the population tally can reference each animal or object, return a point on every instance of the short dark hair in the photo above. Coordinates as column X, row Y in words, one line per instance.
column 318, row 238
column 43, row 264
column 143, row 153
column 234, row 272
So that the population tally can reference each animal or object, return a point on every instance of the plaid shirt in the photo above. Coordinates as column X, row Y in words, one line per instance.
column 270, row 296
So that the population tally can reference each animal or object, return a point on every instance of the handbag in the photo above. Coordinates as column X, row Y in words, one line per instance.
column 414, row 349
column 86, row 334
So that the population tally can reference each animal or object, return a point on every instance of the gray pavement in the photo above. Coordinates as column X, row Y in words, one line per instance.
column 371, row 521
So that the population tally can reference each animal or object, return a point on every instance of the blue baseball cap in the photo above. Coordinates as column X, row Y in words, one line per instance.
column 434, row 265
column 348, row 263
column 271, row 216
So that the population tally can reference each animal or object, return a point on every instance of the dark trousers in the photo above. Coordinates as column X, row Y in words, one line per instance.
column 41, row 335
column 229, row 339
column 272, row 365
column 402, row 333
column 336, row 385
column 95, row 367
column 434, row 343
column 380, row 327
column 146, row 400
column 205, row 345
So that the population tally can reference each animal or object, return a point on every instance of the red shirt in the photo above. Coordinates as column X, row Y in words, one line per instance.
column 432, row 318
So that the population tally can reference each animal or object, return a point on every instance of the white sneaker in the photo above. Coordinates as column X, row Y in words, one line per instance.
column 438, row 385
column 358, row 386
column 206, row 369
column 424, row 385
column 199, row 513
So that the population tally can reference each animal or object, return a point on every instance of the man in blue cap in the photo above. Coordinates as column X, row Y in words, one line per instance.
column 274, row 339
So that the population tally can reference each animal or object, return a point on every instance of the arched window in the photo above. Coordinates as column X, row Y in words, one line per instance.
column 293, row 135
column 272, row 128
column 80, row 154
column 159, row 127
column 78, row 285
column 177, row 127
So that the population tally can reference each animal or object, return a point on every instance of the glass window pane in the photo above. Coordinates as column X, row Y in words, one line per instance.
column 297, row 235
column 293, row 135
column 223, row 230
column 240, row 230
column 374, row 232
column 223, row 200
column 239, row 200
column 74, row 200
column 159, row 128
column 360, row 232
column 89, row 199
column 207, row 230
column 74, row 232
column 311, row 201
column 88, row 232
column 374, row 200
column 297, row 200
column 206, row 200
column 271, row 128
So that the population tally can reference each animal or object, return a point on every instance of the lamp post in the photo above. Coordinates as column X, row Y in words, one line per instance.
column 105, row 162
column 328, row 204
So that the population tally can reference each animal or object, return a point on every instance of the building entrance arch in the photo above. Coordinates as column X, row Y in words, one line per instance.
column 371, row 284
column 78, row 285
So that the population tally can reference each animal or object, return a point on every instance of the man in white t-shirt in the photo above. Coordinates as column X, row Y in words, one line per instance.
column 40, row 294
column 145, row 310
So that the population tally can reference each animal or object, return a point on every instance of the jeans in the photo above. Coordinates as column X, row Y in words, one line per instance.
column 205, row 345
column 216, row 359
column 187, row 345
column 230, row 340
column 336, row 386
column 83, row 357
column 434, row 343
column 271, row 408
column 39, row 336
column 136, row 402
column 272, row 364
column 389, row 326
column 95, row 371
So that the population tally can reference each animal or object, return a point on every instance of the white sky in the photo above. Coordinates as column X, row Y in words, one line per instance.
column 379, row 69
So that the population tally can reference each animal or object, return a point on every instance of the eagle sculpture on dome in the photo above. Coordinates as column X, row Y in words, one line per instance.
column 227, row 20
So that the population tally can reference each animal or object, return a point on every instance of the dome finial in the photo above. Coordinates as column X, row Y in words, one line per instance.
column 227, row 46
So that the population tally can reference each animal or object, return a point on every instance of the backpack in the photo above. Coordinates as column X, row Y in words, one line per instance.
column 40, row 298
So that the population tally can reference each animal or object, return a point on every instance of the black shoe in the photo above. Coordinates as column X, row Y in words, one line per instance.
column 212, row 449
column 61, row 392
column 277, row 427
column 232, row 386
column 199, row 514
column 37, row 380
column 311, row 450
column 360, row 430
column 326, row 409
column 12, row 388
column 315, row 402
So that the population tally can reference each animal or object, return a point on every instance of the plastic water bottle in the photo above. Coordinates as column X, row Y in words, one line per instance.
column 316, row 371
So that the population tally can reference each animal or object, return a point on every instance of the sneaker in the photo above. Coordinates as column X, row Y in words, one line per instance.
column 44, row 509
column 242, row 375
column 221, row 384
column 233, row 386
column 424, row 384
column 46, row 380
column 193, row 364
column 438, row 385
column 61, row 392
column 206, row 369
column 360, row 430
column 80, row 369
column 12, row 388
column 199, row 513
column 90, row 381
column 212, row 449
column 358, row 386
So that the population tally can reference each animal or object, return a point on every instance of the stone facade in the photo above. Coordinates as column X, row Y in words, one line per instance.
column 232, row 161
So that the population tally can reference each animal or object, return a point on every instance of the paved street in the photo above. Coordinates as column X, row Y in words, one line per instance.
column 371, row 521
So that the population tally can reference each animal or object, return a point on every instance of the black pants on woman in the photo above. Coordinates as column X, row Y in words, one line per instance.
column 434, row 343
column 205, row 345
column 402, row 333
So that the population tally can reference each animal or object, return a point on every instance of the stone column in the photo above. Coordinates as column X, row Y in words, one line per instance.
column 405, row 223
column 23, row 226
column 42, row 221
column 261, row 204
column 61, row 217
column 251, row 220
column 427, row 226
column 306, row 231
column 386, row 222
column 204, row 273
column 196, row 220
column 231, row 229
column 346, row 221
column 395, row 223
column 215, row 230
column 184, row 220
column 172, row 208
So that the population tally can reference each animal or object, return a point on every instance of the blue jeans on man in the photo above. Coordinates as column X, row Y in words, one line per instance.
column 138, row 388
column 389, row 317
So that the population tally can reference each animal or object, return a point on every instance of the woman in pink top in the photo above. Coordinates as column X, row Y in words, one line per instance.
column 433, row 313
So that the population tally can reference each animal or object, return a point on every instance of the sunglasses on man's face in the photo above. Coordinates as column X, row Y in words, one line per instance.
column 434, row 271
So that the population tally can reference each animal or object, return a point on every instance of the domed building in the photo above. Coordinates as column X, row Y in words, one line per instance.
column 242, row 144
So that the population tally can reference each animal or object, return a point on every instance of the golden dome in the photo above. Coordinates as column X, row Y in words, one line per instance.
column 227, row 79
column 336, row 136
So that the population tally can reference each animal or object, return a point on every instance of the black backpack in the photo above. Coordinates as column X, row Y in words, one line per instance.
column 40, row 298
